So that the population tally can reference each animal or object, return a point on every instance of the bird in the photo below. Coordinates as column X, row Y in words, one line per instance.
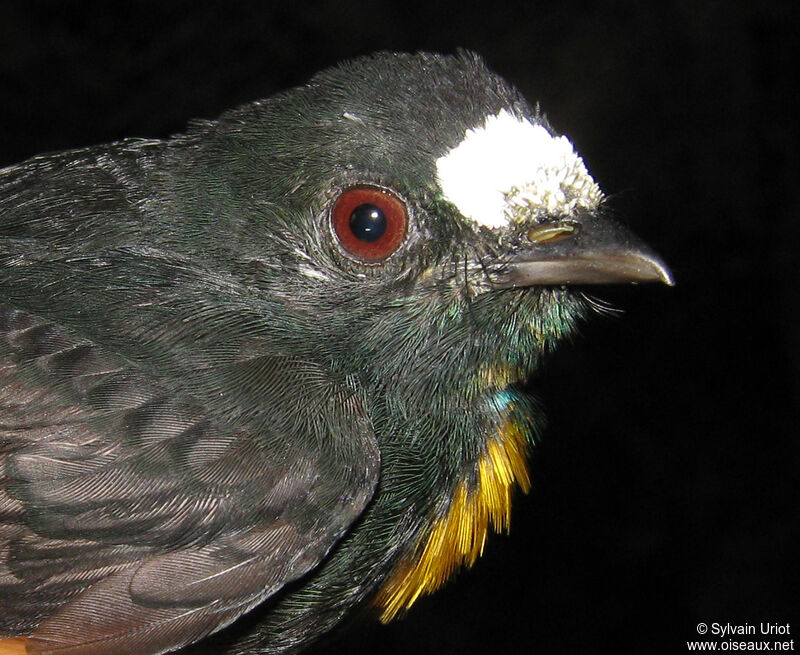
column 276, row 365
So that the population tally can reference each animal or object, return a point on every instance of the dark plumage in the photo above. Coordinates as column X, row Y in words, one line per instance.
column 219, row 389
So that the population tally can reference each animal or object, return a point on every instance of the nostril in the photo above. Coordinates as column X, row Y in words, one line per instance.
column 552, row 233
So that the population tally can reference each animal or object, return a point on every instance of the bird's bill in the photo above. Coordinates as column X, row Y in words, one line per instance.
column 590, row 251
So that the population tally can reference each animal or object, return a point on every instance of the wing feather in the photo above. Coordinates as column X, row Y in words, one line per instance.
column 166, row 461
column 133, row 519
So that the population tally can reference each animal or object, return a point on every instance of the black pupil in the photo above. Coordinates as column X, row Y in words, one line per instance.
column 368, row 222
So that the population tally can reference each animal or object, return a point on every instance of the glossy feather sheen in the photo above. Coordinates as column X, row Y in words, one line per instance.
column 210, row 407
column 106, row 504
column 458, row 538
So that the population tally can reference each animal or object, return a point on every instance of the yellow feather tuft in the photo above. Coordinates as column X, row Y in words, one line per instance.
column 459, row 536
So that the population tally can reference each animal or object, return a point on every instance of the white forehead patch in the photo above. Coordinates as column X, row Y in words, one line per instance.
column 511, row 163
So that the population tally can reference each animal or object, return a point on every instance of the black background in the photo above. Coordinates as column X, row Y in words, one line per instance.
column 665, row 490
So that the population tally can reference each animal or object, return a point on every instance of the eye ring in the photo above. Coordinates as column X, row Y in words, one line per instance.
column 369, row 222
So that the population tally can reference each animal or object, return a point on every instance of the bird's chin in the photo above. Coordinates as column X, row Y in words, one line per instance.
column 526, row 322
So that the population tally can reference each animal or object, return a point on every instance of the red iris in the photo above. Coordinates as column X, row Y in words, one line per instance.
column 369, row 222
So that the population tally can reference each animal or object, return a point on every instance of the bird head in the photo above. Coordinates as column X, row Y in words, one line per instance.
column 411, row 213
column 343, row 283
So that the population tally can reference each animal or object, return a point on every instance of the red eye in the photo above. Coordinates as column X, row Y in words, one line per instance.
column 369, row 222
